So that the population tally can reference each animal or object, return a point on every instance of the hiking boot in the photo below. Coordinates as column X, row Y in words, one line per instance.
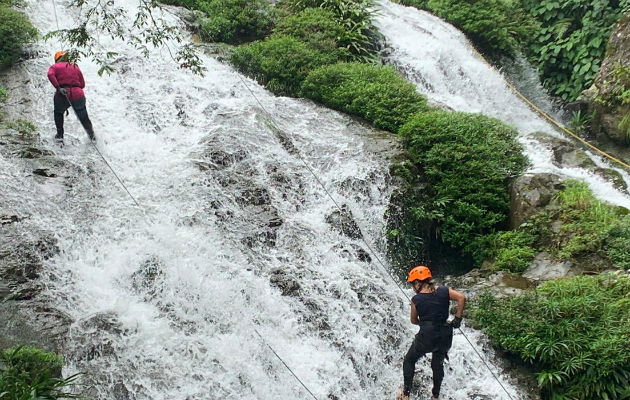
column 400, row 395
column 59, row 139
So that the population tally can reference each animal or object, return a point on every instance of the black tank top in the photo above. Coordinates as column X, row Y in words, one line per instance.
column 432, row 306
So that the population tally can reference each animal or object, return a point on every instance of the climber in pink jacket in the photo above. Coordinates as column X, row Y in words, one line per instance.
column 68, row 80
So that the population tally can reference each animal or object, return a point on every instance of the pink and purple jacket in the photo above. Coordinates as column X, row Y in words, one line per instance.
column 68, row 76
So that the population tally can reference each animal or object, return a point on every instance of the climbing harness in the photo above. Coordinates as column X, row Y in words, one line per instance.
column 550, row 119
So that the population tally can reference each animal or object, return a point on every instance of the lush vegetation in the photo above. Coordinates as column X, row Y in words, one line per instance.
column 497, row 27
column 565, row 39
column 281, row 63
column 376, row 93
column 308, row 35
column 28, row 373
column 574, row 331
column 230, row 21
column 464, row 163
column 15, row 32
column 571, row 41
column 586, row 231
column 359, row 36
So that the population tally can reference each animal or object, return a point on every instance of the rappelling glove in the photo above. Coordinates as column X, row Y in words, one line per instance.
column 456, row 322
column 62, row 91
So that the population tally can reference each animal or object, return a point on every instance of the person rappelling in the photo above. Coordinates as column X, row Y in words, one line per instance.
column 430, row 310
column 67, row 78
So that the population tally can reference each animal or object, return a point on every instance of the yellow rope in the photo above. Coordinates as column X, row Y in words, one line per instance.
column 550, row 119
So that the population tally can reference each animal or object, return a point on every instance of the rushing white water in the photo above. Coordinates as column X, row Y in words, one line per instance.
column 164, row 299
column 441, row 62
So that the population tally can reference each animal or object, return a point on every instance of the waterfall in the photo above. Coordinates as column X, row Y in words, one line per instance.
column 441, row 62
column 232, row 234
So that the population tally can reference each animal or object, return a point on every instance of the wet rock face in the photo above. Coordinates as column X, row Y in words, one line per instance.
column 544, row 268
column 343, row 222
column 569, row 155
column 21, row 258
column 530, row 194
column 612, row 78
column 285, row 280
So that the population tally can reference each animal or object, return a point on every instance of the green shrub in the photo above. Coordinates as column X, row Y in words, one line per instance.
column 376, row 93
column 190, row 4
column 15, row 32
column 281, row 63
column 234, row 21
column 590, row 227
column 574, row 331
column 28, row 373
column 571, row 42
column 360, row 36
column 511, row 250
column 495, row 26
column 316, row 26
column 466, row 162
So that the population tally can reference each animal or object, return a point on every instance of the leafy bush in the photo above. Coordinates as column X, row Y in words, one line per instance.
column 190, row 4
column 376, row 93
column 360, row 36
column 28, row 373
column 511, row 250
column 496, row 26
column 234, row 21
column 574, row 331
column 281, row 63
column 571, row 42
column 466, row 162
column 316, row 26
column 15, row 32
column 590, row 227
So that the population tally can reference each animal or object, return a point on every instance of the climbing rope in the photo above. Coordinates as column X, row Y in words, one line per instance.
column 319, row 181
column 55, row 12
column 550, row 119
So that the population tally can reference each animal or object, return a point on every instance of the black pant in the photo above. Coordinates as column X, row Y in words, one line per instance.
column 434, row 338
column 62, row 104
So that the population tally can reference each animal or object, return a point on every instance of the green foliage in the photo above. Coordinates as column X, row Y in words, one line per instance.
column 281, row 63
column 4, row 95
column 376, row 93
column 234, row 21
column 316, row 26
column 590, row 227
column 581, row 123
column 571, row 42
column 15, row 32
column 421, row 4
column 466, row 162
column 109, row 19
column 21, row 125
column 360, row 36
column 511, row 250
column 29, row 373
column 495, row 26
column 574, row 331
column 190, row 4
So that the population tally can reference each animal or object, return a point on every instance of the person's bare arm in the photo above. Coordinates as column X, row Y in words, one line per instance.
column 414, row 314
column 460, row 299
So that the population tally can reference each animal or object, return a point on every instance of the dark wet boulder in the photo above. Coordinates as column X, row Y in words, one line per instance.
column 285, row 280
column 343, row 222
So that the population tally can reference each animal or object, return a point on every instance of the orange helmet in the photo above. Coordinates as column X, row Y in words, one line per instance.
column 59, row 54
column 419, row 273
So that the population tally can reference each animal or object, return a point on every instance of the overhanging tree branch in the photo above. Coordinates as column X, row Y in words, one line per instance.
column 149, row 30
